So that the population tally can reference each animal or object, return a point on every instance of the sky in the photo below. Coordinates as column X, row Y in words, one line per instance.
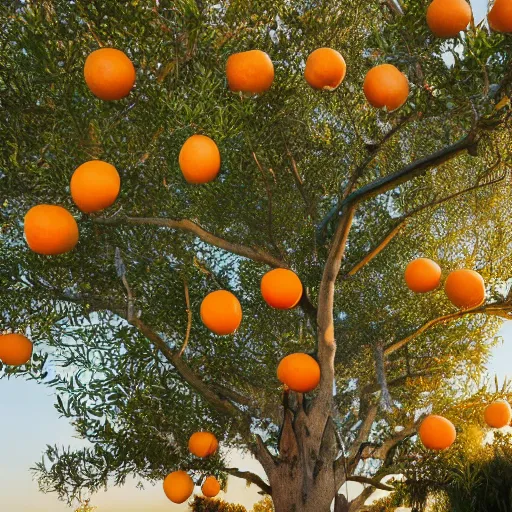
column 28, row 422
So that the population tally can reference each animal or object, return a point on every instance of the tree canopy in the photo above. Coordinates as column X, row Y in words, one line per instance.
column 300, row 168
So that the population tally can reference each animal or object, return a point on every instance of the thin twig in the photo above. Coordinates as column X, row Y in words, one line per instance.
column 189, row 315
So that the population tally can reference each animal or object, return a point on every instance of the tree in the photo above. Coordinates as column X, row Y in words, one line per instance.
column 320, row 182
column 264, row 505
column 202, row 504
column 474, row 476
column 85, row 507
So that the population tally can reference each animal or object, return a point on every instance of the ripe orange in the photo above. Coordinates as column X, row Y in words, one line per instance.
column 250, row 72
column 422, row 275
column 15, row 349
column 199, row 159
column 465, row 288
column 50, row 229
column 221, row 312
column 498, row 414
column 109, row 74
column 178, row 486
column 300, row 372
column 386, row 86
column 95, row 186
column 202, row 444
column 325, row 69
column 500, row 16
column 446, row 18
column 437, row 433
column 211, row 487
column 281, row 288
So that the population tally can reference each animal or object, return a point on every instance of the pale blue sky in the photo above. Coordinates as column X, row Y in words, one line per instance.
column 29, row 421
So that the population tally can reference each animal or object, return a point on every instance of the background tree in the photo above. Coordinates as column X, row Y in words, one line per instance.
column 202, row 504
column 264, row 505
column 344, row 194
column 474, row 476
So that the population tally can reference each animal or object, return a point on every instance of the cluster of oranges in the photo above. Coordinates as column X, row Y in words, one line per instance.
column 281, row 288
column 438, row 433
column 178, row 485
column 464, row 288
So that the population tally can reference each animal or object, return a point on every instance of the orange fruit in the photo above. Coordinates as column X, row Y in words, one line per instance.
column 210, row 487
column 498, row 414
column 437, row 433
column 199, row 159
column 178, row 486
column 50, row 229
column 202, row 444
column 15, row 349
column 109, row 74
column 386, row 86
column 221, row 312
column 325, row 69
column 500, row 16
column 446, row 18
column 95, row 186
column 422, row 275
column 465, row 288
column 281, row 288
column 250, row 72
column 300, row 372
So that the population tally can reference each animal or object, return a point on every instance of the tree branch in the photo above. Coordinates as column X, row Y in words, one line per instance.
column 250, row 477
column 269, row 201
column 370, row 481
column 185, row 371
column 377, row 249
column 325, row 318
column 501, row 309
column 375, row 149
column 404, row 219
column 413, row 170
column 254, row 254
column 310, row 207
column 263, row 456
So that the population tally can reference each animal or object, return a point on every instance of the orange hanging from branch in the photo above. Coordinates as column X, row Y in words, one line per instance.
column 178, row 486
column 465, row 288
column 250, row 72
column 50, row 229
column 221, row 312
column 95, row 186
column 498, row 414
column 500, row 16
column 202, row 444
column 300, row 372
column 325, row 69
column 109, row 74
column 446, row 18
column 386, row 86
column 422, row 275
column 437, row 433
column 15, row 349
column 210, row 487
column 281, row 288
column 199, row 159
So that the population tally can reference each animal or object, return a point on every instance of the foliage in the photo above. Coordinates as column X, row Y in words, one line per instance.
column 85, row 507
column 202, row 504
column 289, row 156
column 264, row 505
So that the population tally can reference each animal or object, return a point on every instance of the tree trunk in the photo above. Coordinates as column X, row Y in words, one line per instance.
column 307, row 475
column 290, row 494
